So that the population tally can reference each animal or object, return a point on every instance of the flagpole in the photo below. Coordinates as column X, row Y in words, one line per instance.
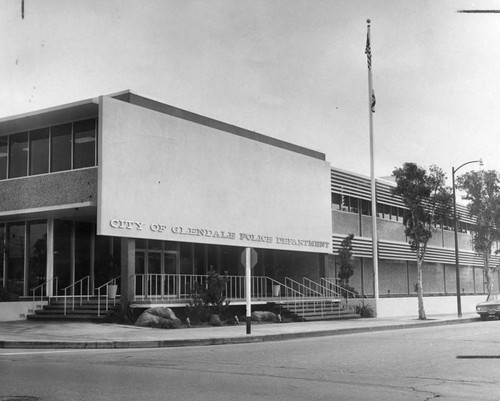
column 371, row 104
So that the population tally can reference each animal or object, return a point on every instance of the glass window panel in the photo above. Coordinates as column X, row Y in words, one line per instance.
column 496, row 285
column 16, row 241
column 39, row 151
column 186, row 255
column 156, row 245
column 170, row 246
column 140, row 269
column 60, row 157
column 467, row 279
column 393, row 277
column 413, row 277
column 380, row 210
column 154, row 263
column 355, row 279
column 200, row 259
column 344, row 203
column 387, row 212
column 479, row 280
column 366, row 207
column 18, row 155
column 4, row 152
column 433, row 278
column 450, row 279
column 83, row 236
column 103, row 258
column 84, row 144
column 62, row 253
column 37, row 253
column 368, row 277
column 2, row 250
column 354, row 204
column 336, row 201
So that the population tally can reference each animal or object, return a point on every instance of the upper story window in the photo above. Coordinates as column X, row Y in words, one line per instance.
column 50, row 149
column 351, row 204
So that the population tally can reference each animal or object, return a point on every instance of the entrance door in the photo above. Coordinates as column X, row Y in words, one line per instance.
column 170, row 271
column 154, row 271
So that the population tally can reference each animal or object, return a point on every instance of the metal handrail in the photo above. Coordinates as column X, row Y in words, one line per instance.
column 331, row 282
column 307, row 291
column 98, row 289
column 33, row 290
column 324, row 290
column 81, row 292
column 181, row 286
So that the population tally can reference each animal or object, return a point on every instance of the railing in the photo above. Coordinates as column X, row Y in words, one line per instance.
column 47, row 289
column 325, row 291
column 182, row 286
column 306, row 292
column 73, row 287
column 331, row 283
column 111, row 282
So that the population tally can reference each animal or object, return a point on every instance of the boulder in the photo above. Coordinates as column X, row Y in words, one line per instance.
column 161, row 317
column 263, row 316
column 214, row 320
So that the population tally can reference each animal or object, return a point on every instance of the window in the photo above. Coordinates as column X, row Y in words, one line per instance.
column 353, row 204
column 380, row 210
column 84, row 144
column 60, row 156
column 16, row 240
column 336, row 201
column 39, row 151
column 366, row 207
column 18, row 155
column 4, row 152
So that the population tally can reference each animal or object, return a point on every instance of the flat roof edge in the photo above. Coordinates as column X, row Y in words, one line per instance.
column 158, row 106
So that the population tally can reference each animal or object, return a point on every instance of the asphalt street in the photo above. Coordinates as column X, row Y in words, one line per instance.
column 450, row 362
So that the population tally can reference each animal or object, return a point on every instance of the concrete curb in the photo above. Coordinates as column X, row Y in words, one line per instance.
column 221, row 340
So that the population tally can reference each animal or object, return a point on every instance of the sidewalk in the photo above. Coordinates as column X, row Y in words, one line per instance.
column 50, row 335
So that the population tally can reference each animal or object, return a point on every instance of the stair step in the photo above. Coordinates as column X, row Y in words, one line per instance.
column 68, row 312
column 67, row 317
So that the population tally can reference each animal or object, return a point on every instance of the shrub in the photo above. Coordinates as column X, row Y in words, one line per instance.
column 208, row 298
column 122, row 314
column 6, row 295
column 365, row 310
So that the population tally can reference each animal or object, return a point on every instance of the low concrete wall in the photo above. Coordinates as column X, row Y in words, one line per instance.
column 10, row 311
column 392, row 307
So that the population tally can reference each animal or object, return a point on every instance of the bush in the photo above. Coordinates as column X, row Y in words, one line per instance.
column 6, row 295
column 365, row 310
column 208, row 298
column 122, row 314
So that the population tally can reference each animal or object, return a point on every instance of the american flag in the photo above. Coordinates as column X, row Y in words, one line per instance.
column 368, row 52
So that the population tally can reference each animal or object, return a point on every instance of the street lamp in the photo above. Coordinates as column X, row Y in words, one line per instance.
column 457, row 262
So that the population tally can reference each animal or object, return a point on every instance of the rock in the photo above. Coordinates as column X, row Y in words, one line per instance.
column 263, row 316
column 214, row 320
column 160, row 317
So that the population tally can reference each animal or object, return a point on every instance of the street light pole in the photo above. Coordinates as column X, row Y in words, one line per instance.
column 457, row 261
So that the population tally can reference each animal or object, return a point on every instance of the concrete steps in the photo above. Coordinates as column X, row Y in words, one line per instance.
column 313, row 310
column 87, row 311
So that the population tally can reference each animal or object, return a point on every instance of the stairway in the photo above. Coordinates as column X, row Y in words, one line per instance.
column 86, row 312
column 316, row 309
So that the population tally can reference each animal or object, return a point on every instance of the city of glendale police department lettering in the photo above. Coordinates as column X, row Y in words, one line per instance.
column 203, row 232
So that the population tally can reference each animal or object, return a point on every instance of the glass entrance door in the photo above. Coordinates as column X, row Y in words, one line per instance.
column 171, row 278
column 154, row 271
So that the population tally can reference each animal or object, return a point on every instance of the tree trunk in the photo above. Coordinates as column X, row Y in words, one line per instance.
column 420, row 290
column 487, row 273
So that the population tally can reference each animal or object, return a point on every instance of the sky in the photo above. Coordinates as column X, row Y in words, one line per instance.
column 291, row 69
